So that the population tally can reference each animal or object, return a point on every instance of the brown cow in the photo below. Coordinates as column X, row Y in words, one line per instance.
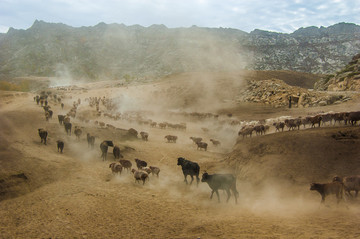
column 325, row 189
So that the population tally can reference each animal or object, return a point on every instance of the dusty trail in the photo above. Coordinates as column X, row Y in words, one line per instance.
column 76, row 196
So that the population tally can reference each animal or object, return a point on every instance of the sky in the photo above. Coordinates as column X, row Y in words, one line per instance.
column 283, row 16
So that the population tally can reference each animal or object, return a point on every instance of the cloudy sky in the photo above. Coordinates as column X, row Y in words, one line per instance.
column 247, row 15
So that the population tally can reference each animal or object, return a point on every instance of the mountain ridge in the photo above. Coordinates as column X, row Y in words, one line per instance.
column 113, row 51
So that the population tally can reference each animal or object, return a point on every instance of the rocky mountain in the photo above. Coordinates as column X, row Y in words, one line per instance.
column 347, row 79
column 114, row 51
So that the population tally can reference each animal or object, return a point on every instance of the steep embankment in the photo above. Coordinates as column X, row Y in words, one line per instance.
column 347, row 79
column 298, row 156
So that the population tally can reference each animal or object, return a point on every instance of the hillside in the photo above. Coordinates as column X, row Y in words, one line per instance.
column 116, row 51
column 346, row 79
column 50, row 195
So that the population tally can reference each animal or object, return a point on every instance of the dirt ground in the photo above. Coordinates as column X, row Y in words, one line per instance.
column 46, row 194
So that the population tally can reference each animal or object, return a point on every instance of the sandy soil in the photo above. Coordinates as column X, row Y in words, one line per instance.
column 46, row 194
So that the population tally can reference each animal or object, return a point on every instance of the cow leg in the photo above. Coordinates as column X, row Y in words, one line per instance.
column 185, row 180
column 192, row 179
column 235, row 194
column 322, row 198
column 212, row 193
column 217, row 193
column 228, row 195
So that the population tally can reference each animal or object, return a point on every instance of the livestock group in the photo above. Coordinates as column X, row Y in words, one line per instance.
column 227, row 182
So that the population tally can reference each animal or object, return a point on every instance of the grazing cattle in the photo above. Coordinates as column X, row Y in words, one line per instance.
column 293, row 123
column 351, row 183
column 116, row 152
column 171, row 138
column 146, row 169
column 342, row 116
column 225, row 182
column 90, row 140
column 126, row 164
column 144, row 136
column 116, row 168
column 132, row 132
column 259, row 129
column 278, row 126
column 354, row 117
column 325, row 189
column 61, row 119
column 327, row 118
column 50, row 113
column 246, row 130
column 189, row 168
column 155, row 170
column 60, row 145
column 104, row 148
column 43, row 135
column 47, row 116
column 140, row 175
column 162, row 125
column 77, row 132
column 67, row 127
column 215, row 142
column 140, row 163
column 202, row 145
column 315, row 120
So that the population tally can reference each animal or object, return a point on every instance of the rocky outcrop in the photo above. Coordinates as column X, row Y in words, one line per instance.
column 277, row 93
column 347, row 79
column 116, row 51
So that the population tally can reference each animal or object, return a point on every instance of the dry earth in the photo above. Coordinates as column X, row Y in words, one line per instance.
column 74, row 195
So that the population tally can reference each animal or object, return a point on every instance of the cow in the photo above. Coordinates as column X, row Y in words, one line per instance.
column 140, row 163
column 201, row 145
column 77, row 132
column 67, row 127
column 116, row 152
column 279, row 125
column 60, row 145
column 104, row 148
column 351, row 183
column 354, row 117
column 325, row 189
column 90, row 140
column 61, row 119
column 43, row 135
column 144, row 135
column 189, row 168
column 246, row 130
column 171, row 138
column 314, row 120
column 225, row 182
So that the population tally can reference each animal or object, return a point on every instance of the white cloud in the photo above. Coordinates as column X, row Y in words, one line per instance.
column 247, row 15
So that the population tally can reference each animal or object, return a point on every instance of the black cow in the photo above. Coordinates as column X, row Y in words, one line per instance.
column 225, row 182
column 116, row 152
column 140, row 163
column 90, row 140
column 67, row 127
column 189, row 168
column 60, row 145
column 43, row 135
column 104, row 148
column 61, row 119
column 325, row 189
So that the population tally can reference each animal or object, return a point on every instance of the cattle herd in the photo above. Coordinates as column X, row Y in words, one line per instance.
column 227, row 182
